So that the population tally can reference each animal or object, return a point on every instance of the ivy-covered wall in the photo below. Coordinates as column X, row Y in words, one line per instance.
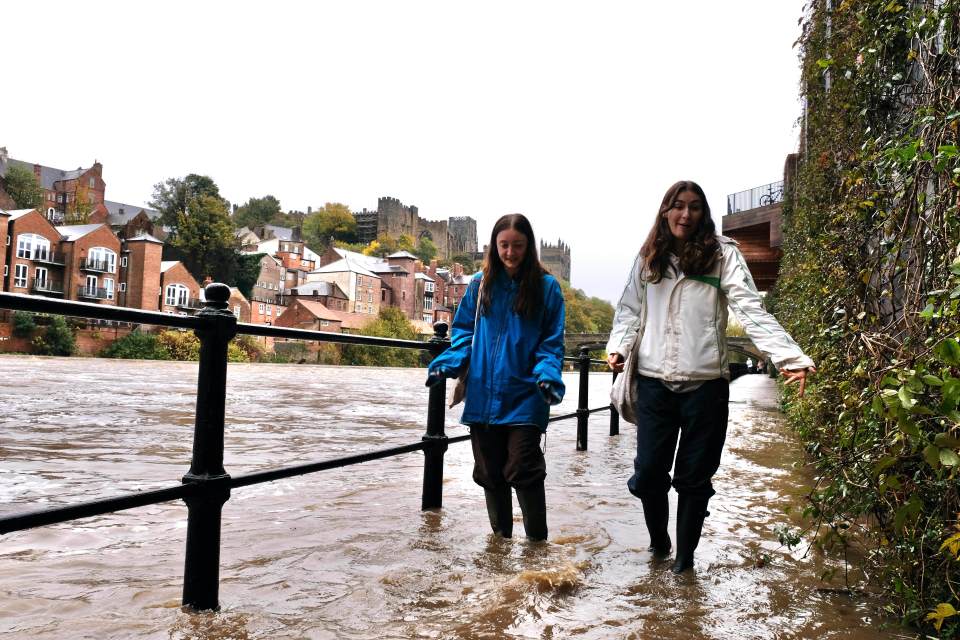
column 870, row 284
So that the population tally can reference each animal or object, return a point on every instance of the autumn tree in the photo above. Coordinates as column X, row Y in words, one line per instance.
column 426, row 250
column 333, row 220
column 21, row 185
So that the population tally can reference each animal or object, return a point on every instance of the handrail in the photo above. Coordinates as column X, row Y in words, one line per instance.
column 206, row 486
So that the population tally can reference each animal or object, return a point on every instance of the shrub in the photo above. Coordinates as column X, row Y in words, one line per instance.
column 56, row 340
column 391, row 324
column 181, row 345
column 137, row 345
column 23, row 324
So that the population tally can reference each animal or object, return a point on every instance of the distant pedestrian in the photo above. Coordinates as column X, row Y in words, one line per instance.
column 508, row 335
column 670, row 328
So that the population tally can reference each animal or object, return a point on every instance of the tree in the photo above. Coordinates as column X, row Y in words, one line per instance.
column 57, row 340
column 172, row 197
column 333, row 220
column 21, row 185
column 467, row 262
column 205, row 239
column 256, row 212
column 426, row 250
column 390, row 324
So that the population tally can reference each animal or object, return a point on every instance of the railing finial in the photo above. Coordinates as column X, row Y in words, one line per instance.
column 440, row 330
column 217, row 294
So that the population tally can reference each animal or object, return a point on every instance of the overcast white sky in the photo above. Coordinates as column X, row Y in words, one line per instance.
column 579, row 115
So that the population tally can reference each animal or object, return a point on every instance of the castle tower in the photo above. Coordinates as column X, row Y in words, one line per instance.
column 556, row 258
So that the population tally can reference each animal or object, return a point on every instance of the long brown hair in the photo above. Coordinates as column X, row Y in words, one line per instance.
column 698, row 255
column 530, row 273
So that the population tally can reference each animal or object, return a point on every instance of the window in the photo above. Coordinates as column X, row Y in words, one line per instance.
column 383, row 295
column 369, row 308
column 123, row 287
column 32, row 247
column 260, row 308
column 428, row 287
column 359, row 308
column 91, row 285
column 40, row 278
column 102, row 259
column 269, row 310
column 369, row 296
column 93, row 184
column 403, row 295
column 359, row 280
column 108, row 287
column 50, row 213
column 20, row 275
column 123, row 261
column 324, row 323
column 236, row 311
column 427, row 304
column 176, row 294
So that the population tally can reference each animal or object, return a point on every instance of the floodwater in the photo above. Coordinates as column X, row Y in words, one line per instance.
column 348, row 553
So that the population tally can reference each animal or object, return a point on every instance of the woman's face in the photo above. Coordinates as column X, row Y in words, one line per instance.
column 511, row 247
column 684, row 215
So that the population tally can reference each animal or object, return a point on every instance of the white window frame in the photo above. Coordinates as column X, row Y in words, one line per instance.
column 20, row 275
column 103, row 255
column 108, row 286
column 90, row 285
column 175, row 293
column 269, row 310
column 260, row 308
column 123, row 262
column 123, row 287
column 32, row 246
column 41, row 275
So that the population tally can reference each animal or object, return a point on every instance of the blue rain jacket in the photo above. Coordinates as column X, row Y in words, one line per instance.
column 510, row 356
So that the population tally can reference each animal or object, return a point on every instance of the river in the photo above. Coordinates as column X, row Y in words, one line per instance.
column 348, row 553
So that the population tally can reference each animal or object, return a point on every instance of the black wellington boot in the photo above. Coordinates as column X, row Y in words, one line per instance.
column 500, row 510
column 691, row 511
column 533, row 504
column 656, row 512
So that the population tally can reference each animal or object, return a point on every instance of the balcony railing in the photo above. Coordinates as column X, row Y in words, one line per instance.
column 95, row 293
column 48, row 257
column 190, row 303
column 100, row 266
column 46, row 286
column 754, row 198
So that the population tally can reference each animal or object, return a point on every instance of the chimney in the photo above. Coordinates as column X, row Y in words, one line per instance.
column 433, row 267
column 456, row 270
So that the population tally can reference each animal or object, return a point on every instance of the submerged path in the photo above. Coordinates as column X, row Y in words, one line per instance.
column 348, row 553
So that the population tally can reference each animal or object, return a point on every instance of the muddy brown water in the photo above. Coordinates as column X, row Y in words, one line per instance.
column 348, row 553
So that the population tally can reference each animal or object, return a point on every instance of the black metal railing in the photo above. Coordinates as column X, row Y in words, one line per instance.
column 48, row 257
column 100, row 266
column 754, row 198
column 46, row 286
column 95, row 293
column 191, row 303
column 207, row 485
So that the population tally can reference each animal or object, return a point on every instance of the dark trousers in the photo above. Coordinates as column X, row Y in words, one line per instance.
column 507, row 455
column 698, row 417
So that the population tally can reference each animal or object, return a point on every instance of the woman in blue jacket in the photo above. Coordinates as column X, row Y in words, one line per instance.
column 512, row 344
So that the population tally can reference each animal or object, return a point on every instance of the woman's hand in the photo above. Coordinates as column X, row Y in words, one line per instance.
column 615, row 362
column 798, row 375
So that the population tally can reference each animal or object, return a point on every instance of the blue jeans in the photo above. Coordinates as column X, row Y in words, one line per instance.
column 698, row 417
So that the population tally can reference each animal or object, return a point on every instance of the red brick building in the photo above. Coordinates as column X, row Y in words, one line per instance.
column 180, row 292
column 34, row 260
column 311, row 315
column 140, row 272
column 92, row 256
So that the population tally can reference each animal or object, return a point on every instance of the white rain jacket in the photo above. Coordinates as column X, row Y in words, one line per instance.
column 682, row 321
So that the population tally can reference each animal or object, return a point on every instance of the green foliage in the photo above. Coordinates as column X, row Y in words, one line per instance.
column 391, row 324
column 333, row 220
column 137, row 345
column 181, row 345
column 585, row 314
column 206, row 239
column 172, row 198
column 247, row 270
column 467, row 262
column 426, row 250
column 56, row 340
column 256, row 212
column 23, row 324
column 21, row 185
column 248, row 346
column 870, row 283
column 385, row 244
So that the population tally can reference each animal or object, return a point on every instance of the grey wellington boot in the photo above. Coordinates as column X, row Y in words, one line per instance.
column 500, row 510
column 656, row 512
column 690, row 514
column 533, row 504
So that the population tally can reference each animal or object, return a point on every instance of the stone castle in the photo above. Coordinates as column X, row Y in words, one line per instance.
column 556, row 258
column 455, row 236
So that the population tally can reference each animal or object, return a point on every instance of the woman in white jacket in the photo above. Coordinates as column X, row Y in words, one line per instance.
column 670, row 327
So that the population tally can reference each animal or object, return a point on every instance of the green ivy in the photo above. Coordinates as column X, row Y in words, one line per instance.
column 870, row 281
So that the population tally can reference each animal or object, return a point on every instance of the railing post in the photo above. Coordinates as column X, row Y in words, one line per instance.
column 614, row 415
column 583, row 408
column 201, row 575
column 433, row 455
